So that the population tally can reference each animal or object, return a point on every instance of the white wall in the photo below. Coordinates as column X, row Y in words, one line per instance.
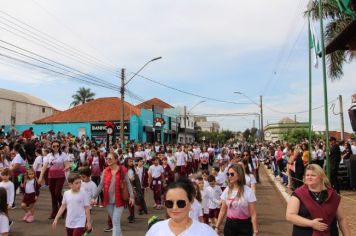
column 24, row 113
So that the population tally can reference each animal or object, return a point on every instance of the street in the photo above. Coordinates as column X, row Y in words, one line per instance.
column 270, row 210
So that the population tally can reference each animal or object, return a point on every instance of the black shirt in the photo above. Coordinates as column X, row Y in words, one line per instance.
column 303, row 212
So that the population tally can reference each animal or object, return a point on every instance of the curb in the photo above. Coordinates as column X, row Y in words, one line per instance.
column 280, row 187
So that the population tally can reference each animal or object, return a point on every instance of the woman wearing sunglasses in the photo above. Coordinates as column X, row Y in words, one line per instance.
column 110, row 184
column 179, row 199
column 58, row 164
column 238, row 205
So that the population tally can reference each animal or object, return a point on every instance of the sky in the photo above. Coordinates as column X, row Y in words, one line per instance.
column 209, row 48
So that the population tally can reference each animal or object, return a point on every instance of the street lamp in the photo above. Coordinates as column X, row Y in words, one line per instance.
column 122, row 91
column 185, row 117
column 261, row 110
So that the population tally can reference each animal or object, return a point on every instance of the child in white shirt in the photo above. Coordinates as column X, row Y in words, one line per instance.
column 4, row 219
column 87, row 185
column 8, row 186
column 214, row 192
column 204, row 200
column 77, row 204
column 38, row 163
column 155, row 177
column 196, row 211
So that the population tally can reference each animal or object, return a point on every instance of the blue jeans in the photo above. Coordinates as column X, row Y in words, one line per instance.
column 115, row 214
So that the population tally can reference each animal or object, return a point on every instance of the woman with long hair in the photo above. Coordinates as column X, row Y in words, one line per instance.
column 4, row 219
column 238, row 205
column 110, row 183
column 58, row 164
column 314, row 208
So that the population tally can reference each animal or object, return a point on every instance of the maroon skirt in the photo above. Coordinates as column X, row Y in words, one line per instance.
column 29, row 198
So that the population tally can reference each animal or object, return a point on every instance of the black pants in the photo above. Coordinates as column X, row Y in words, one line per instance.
column 236, row 227
column 333, row 178
column 205, row 166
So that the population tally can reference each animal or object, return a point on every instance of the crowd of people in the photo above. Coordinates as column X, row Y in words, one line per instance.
column 201, row 186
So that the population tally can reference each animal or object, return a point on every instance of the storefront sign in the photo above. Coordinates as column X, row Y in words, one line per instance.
column 100, row 128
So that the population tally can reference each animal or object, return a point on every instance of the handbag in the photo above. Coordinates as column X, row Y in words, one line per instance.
column 125, row 196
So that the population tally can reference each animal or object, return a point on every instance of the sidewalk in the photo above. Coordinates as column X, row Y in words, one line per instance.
column 348, row 199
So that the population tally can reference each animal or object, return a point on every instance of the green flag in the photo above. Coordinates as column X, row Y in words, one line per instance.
column 345, row 7
column 314, row 43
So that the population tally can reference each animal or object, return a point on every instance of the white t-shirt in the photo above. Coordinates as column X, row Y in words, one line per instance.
column 82, row 157
column 196, row 211
column 204, row 201
column 37, row 164
column 171, row 162
column 76, row 204
column 196, row 152
column 10, row 190
column 221, row 178
column 156, row 171
column 181, row 158
column 89, row 188
column 238, row 209
column 214, row 196
column 30, row 186
column 196, row 229
column 18, row 160
column 4, row 224
column 250, row 179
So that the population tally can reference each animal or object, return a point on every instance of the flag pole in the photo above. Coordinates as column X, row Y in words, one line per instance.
column 325, row 89
column 310, row 89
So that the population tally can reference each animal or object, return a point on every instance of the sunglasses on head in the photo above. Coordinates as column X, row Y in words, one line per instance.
column 230, row 174
column 170, row 203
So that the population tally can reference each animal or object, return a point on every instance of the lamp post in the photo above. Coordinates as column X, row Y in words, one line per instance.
column 261, row 111
column 185, row 118
column 122, row 92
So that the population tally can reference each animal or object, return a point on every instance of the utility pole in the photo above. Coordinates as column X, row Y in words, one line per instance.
column 262, row 132
column 122, row 91
column 342, row 118
column 185, row 124
column 253, row 123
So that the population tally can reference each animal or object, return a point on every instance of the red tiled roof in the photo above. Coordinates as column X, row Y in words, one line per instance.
column 101, row 109
column 154, row 101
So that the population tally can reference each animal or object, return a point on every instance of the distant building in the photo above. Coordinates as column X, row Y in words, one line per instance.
column 22, row 108
column 205, row 125
column 274, row 132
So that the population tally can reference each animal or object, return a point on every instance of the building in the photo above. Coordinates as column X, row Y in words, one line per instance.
column 205, row 125
column 22, row 108
column 140, row 124
column 274, row 132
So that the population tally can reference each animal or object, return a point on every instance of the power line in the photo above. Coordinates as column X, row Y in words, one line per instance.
column 42, row 43
column 66, row 68
column 297, row 112
column 52, row 40
column 190, row 93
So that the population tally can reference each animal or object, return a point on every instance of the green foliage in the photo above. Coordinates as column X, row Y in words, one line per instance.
column 82, row 96
column 214, row 137
column 298, row 135
column 250, row 135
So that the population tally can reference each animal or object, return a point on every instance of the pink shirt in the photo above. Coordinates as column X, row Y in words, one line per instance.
column 238, row 208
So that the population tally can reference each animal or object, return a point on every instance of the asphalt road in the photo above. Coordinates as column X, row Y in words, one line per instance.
column 270, row 210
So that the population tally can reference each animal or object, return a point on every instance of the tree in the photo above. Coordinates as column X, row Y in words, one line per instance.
column 298, row 135
column 336, row 22
column 82, row 96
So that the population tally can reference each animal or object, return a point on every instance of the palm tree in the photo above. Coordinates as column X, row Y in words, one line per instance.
column 336, row 23
column 82, row 96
